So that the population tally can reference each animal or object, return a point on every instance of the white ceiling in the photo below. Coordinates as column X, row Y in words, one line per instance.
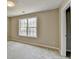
column 30, row 6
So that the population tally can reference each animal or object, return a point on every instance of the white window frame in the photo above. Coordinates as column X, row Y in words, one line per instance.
column 27, row 31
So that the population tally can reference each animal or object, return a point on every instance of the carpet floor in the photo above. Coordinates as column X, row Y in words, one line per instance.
column 25, row 51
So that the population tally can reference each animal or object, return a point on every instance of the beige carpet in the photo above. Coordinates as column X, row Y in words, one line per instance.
column 23, row 51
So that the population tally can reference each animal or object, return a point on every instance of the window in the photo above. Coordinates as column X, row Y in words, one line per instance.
column 28, row 27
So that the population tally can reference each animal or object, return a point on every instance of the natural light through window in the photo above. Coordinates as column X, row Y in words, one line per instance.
column 28, row 27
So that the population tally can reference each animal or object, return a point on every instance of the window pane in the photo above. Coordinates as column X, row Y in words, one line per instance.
column 32, row 32
column 32, row 22
column 22, row 31
column 23, row 23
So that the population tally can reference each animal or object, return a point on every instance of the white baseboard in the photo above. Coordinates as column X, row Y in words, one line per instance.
column 37, row 44
column 45, row 46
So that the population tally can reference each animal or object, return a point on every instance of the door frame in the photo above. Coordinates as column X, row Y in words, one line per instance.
column 63, row 29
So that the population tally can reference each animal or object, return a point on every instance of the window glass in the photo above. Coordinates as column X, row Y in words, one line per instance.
column 32, row 22
column 32, row 32
column 23, row 23
column 23, row 31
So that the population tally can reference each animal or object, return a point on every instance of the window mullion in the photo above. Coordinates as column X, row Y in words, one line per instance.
column 27, row 27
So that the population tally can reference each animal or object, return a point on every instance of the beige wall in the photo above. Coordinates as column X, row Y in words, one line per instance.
column 8, row 28
column 48, row 28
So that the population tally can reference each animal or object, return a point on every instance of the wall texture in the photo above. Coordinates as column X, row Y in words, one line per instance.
column 48, row 28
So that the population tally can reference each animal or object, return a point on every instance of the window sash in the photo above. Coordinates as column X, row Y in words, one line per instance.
column 32, row 22
column 22, row 32
column 32, row 32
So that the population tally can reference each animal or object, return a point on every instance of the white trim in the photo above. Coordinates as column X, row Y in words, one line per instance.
column 67, row 5
column 36, row 44
column 63, row 29
column 46, row 46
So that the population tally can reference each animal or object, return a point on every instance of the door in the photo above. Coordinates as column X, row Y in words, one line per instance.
column 68, row 32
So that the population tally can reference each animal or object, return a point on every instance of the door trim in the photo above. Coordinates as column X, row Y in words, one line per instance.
column 63, row 29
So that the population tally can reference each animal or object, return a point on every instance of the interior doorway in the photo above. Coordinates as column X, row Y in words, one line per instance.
column 68, row 32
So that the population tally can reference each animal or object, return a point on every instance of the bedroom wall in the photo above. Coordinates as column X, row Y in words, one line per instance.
column 48, row 29
column 8, row 28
